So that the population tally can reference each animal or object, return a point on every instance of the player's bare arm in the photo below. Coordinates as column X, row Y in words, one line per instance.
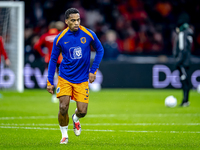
column 50, row 88
column 92, row 77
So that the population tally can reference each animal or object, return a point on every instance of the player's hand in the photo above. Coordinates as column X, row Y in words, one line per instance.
column 92, row 77
column 50, row 88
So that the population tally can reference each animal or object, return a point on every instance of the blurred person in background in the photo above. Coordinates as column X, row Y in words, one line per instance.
column 75, row 44
column 182, row 51
column 46, row 41
column 3, row 52
column 59, row 25
column 111, row 49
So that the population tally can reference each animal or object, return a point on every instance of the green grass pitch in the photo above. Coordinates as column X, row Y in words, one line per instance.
column 117, row 119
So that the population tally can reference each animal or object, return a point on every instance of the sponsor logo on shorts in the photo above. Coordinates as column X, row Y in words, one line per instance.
column 58, row 90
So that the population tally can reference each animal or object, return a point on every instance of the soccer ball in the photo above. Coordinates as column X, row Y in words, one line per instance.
column 95, row 87
column 170, row 101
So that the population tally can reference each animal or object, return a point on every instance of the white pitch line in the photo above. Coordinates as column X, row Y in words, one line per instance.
column 36, row 128
column 96, row 130
column 27, row 117
column 108, row 124
column 28, row 124
column 160, row 131
column 141, row 124
column 141, row 115
column 104, row 116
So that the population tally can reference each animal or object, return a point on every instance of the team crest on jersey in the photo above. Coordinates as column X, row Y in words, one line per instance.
column 83, row 40
column 58, row 90
column 75, row 52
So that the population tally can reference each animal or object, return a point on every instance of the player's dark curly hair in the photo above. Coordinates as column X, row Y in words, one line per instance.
column 71, row 11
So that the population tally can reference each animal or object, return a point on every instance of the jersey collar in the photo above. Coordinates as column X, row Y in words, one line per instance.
column 74, row 32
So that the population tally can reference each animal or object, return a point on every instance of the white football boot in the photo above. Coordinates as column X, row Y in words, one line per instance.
column 77, row 127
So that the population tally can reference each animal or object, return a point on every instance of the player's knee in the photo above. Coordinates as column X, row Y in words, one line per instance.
column 64, row 109
column 82, row 111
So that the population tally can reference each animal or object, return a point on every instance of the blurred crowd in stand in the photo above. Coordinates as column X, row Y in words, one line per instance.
column 132, row 27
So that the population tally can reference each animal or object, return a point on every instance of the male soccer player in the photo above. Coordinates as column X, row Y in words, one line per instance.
column 182, row 52
column 74, row 44
column 46, row 40
column 3, row 52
